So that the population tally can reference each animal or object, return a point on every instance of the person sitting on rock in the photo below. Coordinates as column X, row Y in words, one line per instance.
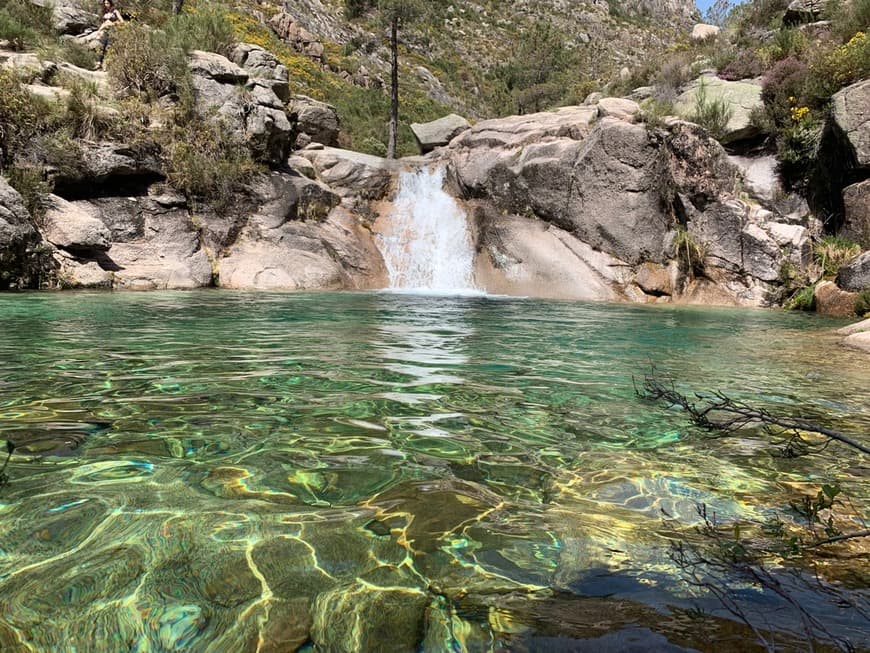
column 111, row 17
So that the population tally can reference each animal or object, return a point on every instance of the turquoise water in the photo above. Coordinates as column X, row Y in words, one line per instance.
column 216, row 471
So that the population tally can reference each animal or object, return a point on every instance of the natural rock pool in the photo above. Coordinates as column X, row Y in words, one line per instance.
column 217, row 471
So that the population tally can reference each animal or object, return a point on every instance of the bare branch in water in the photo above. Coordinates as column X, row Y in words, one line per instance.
column 718, row 412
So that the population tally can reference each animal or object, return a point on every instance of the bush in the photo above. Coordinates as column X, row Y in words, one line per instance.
column 713, row 115
column 862, row 304
column 146, row 62
column 209, row 167
column 744, row 65
column 803, row 300
column 34, row 190
column 19, row 36
column 78, row 55
column 785, row 86
column 832, row 252
column 206, row 28
column 21, row 117
column 847, row 17
column 83, row 117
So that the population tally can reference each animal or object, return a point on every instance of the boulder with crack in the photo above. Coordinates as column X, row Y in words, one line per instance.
column 248, row 105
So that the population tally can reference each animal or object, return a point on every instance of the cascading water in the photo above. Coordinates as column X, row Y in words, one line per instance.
column 424, row 240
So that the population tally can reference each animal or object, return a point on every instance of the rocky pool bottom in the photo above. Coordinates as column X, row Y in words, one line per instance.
column 218, row 471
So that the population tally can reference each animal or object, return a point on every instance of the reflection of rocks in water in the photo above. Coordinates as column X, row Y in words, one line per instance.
column 360, row 617
column 61, row 439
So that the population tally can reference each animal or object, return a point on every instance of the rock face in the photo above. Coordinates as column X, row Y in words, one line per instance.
column 351, row 173
column 616, row 190
column 439, row 132
column 20, row 261
column 856, row 226
column 253, row 111
column 741, row 97
column 68, row 16
column 71, row 228
column 855, row 275
column 852, row 117
column 288, row 28
column 313, row 122
column 263, row 65
column 804, row 11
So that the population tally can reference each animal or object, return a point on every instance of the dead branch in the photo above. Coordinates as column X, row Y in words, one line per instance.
column 718, row 412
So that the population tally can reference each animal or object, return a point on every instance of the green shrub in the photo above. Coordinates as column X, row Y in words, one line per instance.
column 149, row 63
column 654, row 110
column 206, row 28
column 19, row 36
column 34, row 190
column 712, row 114
column 832, row 252
column 803, row 300
column 209, row 167
column 862, row 304
column 83, row 116
column 21, row 117
column 78, row 55
column 847, row 17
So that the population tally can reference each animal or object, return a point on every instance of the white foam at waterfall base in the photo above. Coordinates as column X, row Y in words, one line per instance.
column 425, row 240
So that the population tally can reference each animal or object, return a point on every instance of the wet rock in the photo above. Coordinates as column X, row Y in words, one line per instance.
column 439, row 132
column 362, row 618
column 858, row 341
column 855, row 275
column 531, row 257
column 858, row 327
column 831, row 300
column 852, row 116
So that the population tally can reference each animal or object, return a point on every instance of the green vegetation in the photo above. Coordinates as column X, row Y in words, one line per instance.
column 712, row 114
column 34, row 190
column 690, row 252
column 803, row 300
column 862, row 304
column 832, row 252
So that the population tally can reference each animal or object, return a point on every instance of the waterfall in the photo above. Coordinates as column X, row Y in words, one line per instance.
column 424, row 240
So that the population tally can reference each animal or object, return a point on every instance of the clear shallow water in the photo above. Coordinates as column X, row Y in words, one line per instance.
column 216, row 471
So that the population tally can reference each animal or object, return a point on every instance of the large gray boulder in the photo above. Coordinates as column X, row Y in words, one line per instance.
column 261, row 64
column 804, row 11
column 601, row 189
column 69, row 16
column 249, row 107
column 155, row 244
column 703, row 31
column 439, row 132
column 73, row 228
column 855, row 275
column 313, row 121
column 852, row 116
column 350, row 173
column 299, row 238
column 741, row 97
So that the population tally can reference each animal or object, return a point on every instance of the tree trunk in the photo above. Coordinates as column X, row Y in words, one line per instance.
column 394, row 88
column 176, row 7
